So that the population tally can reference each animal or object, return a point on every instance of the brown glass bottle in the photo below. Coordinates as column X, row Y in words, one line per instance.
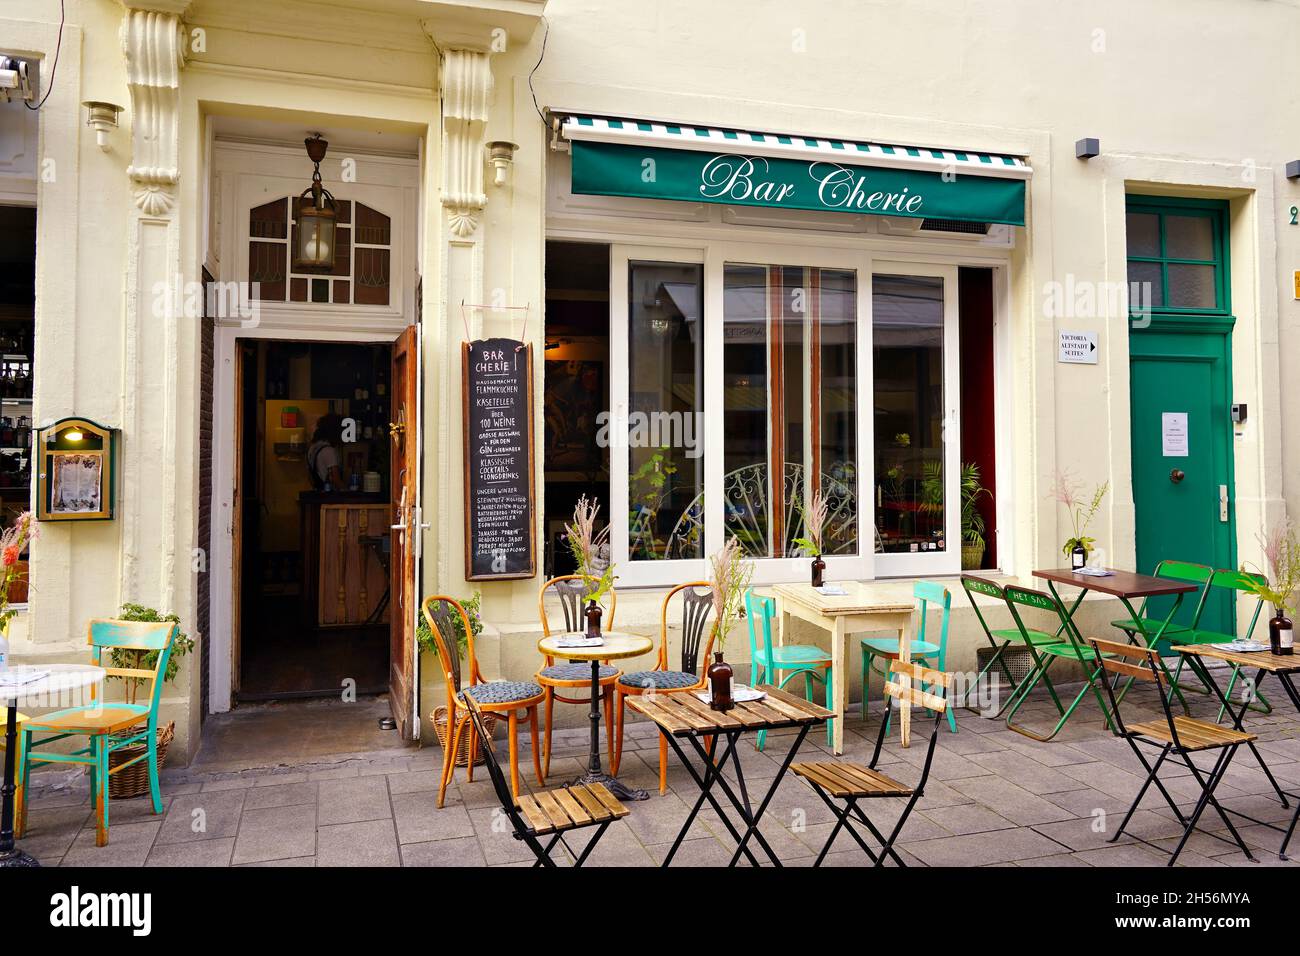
column 1280, row 634
column 720, row 683
column 594, row 614
column 818, row 569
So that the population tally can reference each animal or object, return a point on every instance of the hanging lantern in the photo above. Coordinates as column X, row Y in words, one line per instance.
column 315, row 215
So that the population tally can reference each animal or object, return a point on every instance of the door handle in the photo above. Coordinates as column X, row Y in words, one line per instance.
column 1223, row 503
column 1177, row 475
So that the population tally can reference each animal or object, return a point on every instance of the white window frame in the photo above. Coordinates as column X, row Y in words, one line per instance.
column 948, row 561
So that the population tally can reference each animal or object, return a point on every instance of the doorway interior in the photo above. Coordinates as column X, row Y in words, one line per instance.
column 312, row 554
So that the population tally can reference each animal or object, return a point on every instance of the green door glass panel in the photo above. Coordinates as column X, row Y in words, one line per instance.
column 1183, row 373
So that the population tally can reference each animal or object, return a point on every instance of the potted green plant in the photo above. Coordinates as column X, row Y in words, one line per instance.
column 1282, row 554
column 973, row 543
column 1069, row 492
column 590, row 549
column 814, row 524
column 13, row 542
column 134, row 780
column 730, row 578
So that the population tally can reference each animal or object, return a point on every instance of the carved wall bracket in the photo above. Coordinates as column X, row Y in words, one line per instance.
column 466, row 90
column 153, row 44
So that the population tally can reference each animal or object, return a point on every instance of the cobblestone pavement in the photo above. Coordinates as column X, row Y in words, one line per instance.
column 995, row 798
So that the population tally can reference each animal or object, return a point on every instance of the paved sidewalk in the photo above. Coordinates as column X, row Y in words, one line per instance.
column 995, row 798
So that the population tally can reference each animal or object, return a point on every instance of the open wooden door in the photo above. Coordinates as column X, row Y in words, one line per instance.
column 242, row 510
column 407, row 534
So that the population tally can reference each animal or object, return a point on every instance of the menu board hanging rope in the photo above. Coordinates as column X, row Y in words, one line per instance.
column 499, row 502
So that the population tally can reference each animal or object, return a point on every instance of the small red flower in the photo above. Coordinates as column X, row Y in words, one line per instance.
column 11, row 556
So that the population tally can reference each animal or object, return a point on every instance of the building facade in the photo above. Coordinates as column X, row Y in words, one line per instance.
column 778, row 249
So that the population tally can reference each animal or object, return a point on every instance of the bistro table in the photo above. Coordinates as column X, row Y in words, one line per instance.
column 615, row 645
column 867, row 607
column 686, row 716
column 1125, row 585
column 62, row 686
column 1265, row 663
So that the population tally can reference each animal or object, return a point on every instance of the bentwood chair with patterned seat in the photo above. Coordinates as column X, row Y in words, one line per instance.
column 768, row 661
column 926, row 594
column 551, row 813
column 697, row 607
column 851, row 782
column 111, row 726
column 564, row 675
column 1179, row 737
column 1000, row 638
column 507, row 697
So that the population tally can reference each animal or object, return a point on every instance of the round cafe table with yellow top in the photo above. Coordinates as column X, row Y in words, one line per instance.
column 614, row 645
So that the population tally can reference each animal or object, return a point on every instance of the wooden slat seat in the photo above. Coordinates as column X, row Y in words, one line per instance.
column 843, row 779
column 1193, row 734
column 569, row 808
column 103, row 719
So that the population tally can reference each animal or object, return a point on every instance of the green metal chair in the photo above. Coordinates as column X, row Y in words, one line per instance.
column 1147, row 624
column 926, row 593
column 1072, row 647
column 1001, row 638
column 1236, row 581
column 111, row 726
column 766, row 662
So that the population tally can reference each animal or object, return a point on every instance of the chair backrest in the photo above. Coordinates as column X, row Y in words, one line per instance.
column 927, row 593
column 1241, row 581
column 499, row 783
column 1119, row 659
column 570, row 588
column 442, row 613
column 1018, row 596
column 152, row 639
column 917, row 696
column 1189, row 571
column 760, row 610
column 697, row 608
column 974, row 585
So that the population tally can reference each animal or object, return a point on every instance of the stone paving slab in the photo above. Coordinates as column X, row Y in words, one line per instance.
column 995, row 798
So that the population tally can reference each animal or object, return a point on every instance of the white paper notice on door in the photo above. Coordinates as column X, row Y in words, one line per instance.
column 1173, row 434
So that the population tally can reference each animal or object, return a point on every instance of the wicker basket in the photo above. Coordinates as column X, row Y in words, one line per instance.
column 462, row 749
column 134, row 780
column 1019, row 662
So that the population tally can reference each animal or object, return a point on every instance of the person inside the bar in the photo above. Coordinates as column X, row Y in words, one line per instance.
column 323, row 454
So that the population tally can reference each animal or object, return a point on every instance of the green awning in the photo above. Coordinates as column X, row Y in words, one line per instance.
column 620, row 157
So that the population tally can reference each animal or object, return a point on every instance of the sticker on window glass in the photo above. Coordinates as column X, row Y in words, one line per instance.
column 1173, row 433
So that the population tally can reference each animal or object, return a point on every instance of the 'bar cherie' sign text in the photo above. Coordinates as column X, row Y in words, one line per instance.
column 692, row 175
column 740, row 178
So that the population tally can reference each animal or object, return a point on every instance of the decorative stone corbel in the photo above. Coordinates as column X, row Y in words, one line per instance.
column 153, row 44
column 466, row 89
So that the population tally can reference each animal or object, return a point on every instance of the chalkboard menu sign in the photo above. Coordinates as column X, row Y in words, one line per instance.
column 498, row 404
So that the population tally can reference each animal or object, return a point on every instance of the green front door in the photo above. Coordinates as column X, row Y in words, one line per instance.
column 1180, row 375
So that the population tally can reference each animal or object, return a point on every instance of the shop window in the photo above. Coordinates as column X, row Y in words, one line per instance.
column 1176, row 255
column 17, row 365
column 789, row 402
column 359, row 275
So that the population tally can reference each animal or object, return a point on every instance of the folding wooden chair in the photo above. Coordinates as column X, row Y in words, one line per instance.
column 851, row 782
column 1180, row 736
column 551, row 813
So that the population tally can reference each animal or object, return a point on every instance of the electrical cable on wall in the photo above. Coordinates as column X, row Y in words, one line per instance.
column 58, row 46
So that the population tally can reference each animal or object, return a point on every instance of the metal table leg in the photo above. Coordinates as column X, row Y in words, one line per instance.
column 595, row 773
column 10, row 855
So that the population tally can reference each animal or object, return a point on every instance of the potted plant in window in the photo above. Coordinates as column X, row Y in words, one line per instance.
column 134, row 780
column 730, row 578
column 424, row 636
column 973, row 544
column 590, row 549
column 1069, row 492
column 1282, row 553
column 13, row 542
column 814, row 529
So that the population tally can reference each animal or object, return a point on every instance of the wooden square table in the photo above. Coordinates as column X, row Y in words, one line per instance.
column 685, row 717
column 868, row 607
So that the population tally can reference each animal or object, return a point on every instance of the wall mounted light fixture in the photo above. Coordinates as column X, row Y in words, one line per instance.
column 1293, row 169
column 315, row 215
column 501, row 156
column 1087, row 148
column 103, row 117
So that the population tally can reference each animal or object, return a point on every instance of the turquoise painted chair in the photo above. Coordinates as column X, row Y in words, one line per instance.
column 926, row 593
column 768, row 661
column 111, row 726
